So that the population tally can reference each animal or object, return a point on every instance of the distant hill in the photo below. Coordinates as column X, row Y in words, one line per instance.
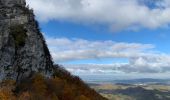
column 144, row 81
column 133, row 81
column 139, row 93
column 134, row 92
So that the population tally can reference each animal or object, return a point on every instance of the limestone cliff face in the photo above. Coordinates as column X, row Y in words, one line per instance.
column 23, row 50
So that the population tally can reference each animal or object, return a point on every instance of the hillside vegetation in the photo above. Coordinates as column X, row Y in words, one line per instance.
column 62, row 86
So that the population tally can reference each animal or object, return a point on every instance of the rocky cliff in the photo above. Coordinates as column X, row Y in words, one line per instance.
column 26, row 60
column 23, row 50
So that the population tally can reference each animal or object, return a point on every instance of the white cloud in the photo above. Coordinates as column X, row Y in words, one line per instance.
column 64, row 49
column 142, row 58
column 138, row 65
column 116, row 68
column 117, row 14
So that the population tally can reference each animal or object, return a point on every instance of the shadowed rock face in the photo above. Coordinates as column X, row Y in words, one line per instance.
column 23, row 50
column 10, row 3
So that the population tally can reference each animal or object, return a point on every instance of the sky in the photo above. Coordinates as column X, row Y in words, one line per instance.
column 117, row 39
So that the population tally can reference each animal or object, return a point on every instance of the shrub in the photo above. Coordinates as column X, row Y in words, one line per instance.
column 18, row 32
column 82, row 97
column 38, row 87
column 6, row 90
column 24, row 96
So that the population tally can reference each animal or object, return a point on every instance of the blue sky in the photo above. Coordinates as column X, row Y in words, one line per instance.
column 107, row 37
column 157, row 37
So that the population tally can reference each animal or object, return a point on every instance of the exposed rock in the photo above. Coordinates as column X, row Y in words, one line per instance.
column 10, row 3
column 23, row 50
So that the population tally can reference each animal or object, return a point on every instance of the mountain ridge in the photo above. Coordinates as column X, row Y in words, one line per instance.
column 27, row 71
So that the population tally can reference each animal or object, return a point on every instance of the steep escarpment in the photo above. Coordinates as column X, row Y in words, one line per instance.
column 22, row 47
column 26, row 67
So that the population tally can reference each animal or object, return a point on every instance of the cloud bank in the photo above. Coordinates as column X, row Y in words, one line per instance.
column 142, row 58
column 116, row 14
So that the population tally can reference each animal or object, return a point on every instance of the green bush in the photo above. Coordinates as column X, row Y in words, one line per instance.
column 18, row 32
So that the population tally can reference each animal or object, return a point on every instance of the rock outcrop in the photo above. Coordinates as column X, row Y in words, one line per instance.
column 26, row 60
column 23, row 50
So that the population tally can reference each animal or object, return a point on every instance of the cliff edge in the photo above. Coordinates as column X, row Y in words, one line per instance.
column 22, row 47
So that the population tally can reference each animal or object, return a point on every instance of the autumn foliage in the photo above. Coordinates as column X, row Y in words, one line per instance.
column 38, row 87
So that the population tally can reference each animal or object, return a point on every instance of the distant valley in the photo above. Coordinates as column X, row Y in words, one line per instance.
column 137, row 89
